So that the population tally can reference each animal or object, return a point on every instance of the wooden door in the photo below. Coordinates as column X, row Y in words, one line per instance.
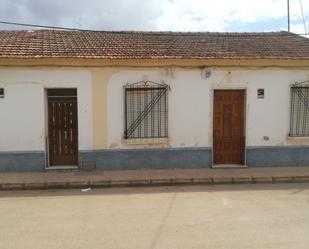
column 62, row 127
column 228, row 125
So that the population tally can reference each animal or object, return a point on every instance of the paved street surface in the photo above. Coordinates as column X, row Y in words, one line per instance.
column 220, row 216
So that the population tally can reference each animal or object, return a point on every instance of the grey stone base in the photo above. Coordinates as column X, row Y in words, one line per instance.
column 22, row 161
column 147, row 158
column 277, row 156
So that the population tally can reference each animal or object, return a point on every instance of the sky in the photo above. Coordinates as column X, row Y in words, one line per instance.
column 158, row 15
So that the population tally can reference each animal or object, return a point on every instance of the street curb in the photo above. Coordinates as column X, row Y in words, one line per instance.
column 284, row 179
column 154, row 182
column 263, row 179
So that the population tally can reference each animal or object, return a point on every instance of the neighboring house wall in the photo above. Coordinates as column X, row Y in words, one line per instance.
column 23, row 114
column 101, row 116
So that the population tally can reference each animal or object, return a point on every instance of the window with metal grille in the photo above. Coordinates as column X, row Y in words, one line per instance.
column 299, row 122
column 146, row 110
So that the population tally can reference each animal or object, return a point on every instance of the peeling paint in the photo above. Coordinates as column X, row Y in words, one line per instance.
column 113, row 146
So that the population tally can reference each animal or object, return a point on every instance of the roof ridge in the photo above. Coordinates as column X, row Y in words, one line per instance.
column 150, row 32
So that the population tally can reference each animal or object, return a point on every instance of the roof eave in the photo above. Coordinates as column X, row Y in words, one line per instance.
column 154, row 62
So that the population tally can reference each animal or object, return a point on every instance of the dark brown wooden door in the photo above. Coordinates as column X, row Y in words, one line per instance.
column 62, row 127
column 228, row 126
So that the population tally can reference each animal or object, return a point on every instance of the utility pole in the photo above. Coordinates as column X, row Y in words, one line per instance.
column 288, row 15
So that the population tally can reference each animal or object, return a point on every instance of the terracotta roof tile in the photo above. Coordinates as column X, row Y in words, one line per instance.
column 151, row 45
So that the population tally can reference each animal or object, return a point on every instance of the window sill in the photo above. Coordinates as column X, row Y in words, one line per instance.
column 297, row 140
column 141, row 141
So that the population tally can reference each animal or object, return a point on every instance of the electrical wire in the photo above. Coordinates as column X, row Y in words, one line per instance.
column 42, row 26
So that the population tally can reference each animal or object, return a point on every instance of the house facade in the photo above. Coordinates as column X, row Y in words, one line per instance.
column 134, row 100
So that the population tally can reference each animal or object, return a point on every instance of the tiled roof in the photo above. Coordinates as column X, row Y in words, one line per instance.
column 151, row 45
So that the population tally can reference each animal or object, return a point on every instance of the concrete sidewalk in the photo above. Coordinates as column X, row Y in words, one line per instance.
column 61, row 180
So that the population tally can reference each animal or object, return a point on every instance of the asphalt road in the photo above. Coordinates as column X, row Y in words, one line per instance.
column 230, row 216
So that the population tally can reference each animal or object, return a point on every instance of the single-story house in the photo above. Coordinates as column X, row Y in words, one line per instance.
column 134, row 100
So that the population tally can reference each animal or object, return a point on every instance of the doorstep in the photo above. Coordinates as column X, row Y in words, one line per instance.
column 62, row 168
column 229, row 166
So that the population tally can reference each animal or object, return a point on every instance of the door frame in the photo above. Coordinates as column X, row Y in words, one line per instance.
column 244, row 89
column 46, row 140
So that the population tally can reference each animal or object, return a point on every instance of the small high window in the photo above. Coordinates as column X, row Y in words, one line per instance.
column 146, row 110
column 299, row 122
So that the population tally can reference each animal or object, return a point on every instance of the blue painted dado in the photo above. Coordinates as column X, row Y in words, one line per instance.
column 200, row 157
column 277, row 156
column 157, row 158
column 22, row 161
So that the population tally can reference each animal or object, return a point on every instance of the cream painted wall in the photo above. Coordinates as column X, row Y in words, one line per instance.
column 190, row 104
column 23, row 125
column 100, row 104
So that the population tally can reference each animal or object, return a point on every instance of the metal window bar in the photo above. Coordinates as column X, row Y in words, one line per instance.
column 146, row 111
column 299, row 122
